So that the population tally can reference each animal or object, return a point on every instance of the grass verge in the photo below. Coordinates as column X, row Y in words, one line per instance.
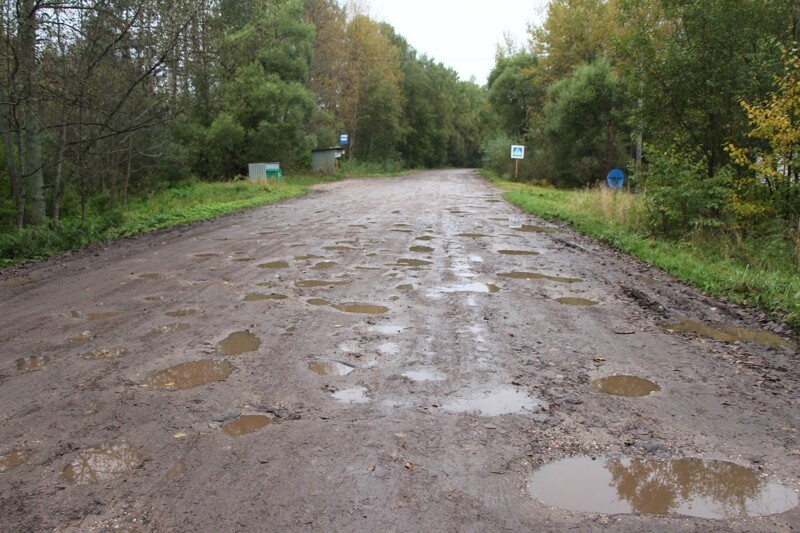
column 712, row 264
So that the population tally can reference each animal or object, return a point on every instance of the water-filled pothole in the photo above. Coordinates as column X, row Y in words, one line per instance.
column 486, row 288
column 83, row 338
column 689, row 487
column 354, row 395
column 534, row 275
column 421, row 249
column 96, row 317
column 630, row 386
column 647, row 281
column 274, row 265
column 105, row 463
column 206, row 255
column 425, row 238
column 107, row 353
column 14, row 282
column 324, row 265
column 472, row 235
column 381, row 329
column 34, row 362
column 410, row 263
column 318, row 301
column 359, row 308
column 727, row 332
column 313, row 283
column 150, row 275
column 517, row 252
column 580, row 302
column 338, row 248
column 422, row 375
column 263, row 297
column 405, row 288
column 330, row 368
column 190, row 375
column 182, row 313
column 494, row 403
column 245, row 424
column 244, row 259
column 239, row 343
column 13, row 458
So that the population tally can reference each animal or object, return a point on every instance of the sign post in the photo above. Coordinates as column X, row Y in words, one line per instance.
column 615, row 179
column 517, row 153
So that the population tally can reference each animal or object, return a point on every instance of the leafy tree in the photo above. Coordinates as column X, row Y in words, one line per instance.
column 517, row 90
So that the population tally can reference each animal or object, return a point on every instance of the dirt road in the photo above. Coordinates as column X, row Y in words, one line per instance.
column 402, row 354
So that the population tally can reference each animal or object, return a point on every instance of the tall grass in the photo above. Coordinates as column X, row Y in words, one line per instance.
column 761, row 270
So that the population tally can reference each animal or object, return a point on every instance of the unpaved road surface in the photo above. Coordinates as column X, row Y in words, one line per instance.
column 464, row 382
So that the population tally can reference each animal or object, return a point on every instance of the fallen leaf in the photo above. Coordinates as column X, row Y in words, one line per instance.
column 599, row 359
column 409, row 466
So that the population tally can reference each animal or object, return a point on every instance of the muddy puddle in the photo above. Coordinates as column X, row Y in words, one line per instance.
column 354, row 395
column 726, row 332
column 688, row 487
column 401, row 230
column 245, row 424
column 314, row 283
column 381, row 329
column 535, row 275
column 421, row 249
column 34, row 362
column 648, row 281
column 330, row 368
column 324, row 265
column 318, row 301
column 190, row 375
column 629, row 386
column 306, row 257
column 410, row 263
column 239, row 343
column 105, row 463
column 578, row 302
column 424, row 238
column 338, row 248
column 206, row 255
column 78, row 340
column 275, row 265
column 13, row 459
column 170, row 328
column 14, row 282
column 264, row 297
column 153, row 298
column 405, row 287
column 423, row 375
column 107, row 353
column 531, row 228
column 182, row 313
column 517, row 252
column 360, row 308
column 95, row 317
column 243, row 259
column 472, row 235
column 485, row 288
column 498, row 402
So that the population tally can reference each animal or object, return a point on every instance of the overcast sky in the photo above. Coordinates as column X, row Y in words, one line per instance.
column 462, row 34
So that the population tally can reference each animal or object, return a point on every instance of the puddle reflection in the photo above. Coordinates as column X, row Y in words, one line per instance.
column 630, row 386
column 534, row 275
column 34, row 362
column 13, row 459
column 105, row 463
column 190, row 375
column 727, row 332
column 246, row 424
column 239, row 343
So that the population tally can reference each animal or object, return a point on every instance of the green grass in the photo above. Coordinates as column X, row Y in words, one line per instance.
column 760, row 271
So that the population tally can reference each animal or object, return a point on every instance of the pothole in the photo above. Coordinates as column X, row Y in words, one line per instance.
column 83, row 338
column 517, row 252
column 354, row 395
column 472, row 235
column 727, row 332
column 494, row 403
column 324, row 265
column 96, row 317
column 579, row 302
column 405, row 288
column 330, row 368
column 275, row 265
column 190, row 375
column 107, row 353
column 630, row 386
column 206, row 255
column 338, row 248
column 263, row 297
column 105, row 463
column 381, row 329
column 486, row 288
column 318, row 301
column 246, row 424
column 422, row 375
column 410, row 263
column 244, row 259
column 34, row 362
column 14, row 282
column 689, row 487
column 150, row 275
column 421, row 249
column 239, row 343
column 182, row 313
column 535, row 275
column 13, row 459
column 314, row 283
column 360, row 308
column 425, row 238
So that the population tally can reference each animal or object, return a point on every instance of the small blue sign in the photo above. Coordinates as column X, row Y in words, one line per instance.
column 616, row 179
column 344, row 139
column 517, row 152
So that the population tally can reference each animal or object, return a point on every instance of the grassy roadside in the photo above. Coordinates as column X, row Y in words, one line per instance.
column 768, row 283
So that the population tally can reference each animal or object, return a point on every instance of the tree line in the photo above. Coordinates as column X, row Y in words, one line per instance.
column 697, row 99
column 101, row 99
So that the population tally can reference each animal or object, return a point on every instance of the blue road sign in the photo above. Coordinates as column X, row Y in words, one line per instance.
column 616, row 179
column 517, row 152
column 344, row 139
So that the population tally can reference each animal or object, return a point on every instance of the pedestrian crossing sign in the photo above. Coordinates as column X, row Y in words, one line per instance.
column 517, row 152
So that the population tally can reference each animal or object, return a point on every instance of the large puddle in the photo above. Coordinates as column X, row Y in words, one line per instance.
column 535, row 275
column 423, row 375
column 330, row 368
column 324, row 265
column 579, row 302
column 105, row 463
column 494, row 403
column 486, row 288
column 354, row 395
column 13, row 459
column 689, row 487
column 314, row 283
column 95, row 317
column 190, row 375
column 630, row 386
column 239, row 343
column 34, row 362
column 410, row 263
column 359, row 308
column 245, row 424
column 421, row 249
column 264, row 297
column 472, row 235
column 274, row 265
column 727, row 332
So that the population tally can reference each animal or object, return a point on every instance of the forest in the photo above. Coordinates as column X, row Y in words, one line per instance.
column 105, row 101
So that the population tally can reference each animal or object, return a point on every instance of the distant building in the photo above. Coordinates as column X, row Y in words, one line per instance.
column 324, row 160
